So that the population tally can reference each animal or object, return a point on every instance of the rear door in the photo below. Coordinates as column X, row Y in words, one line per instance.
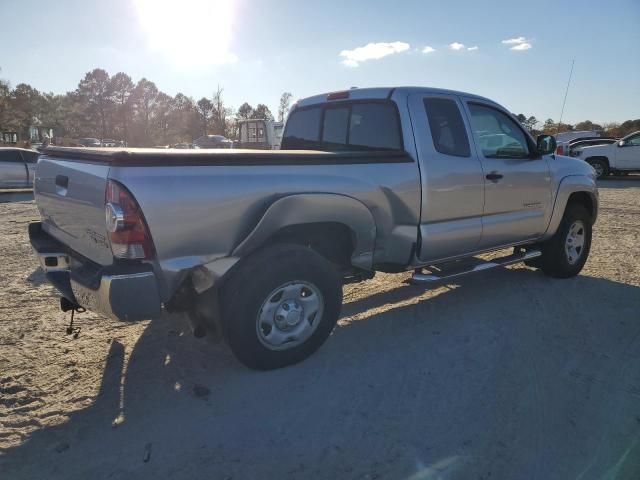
column 13, row 171
column 451, row 177
column 517, row 198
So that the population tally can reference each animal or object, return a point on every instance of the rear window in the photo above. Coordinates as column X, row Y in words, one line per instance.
column 303, row 129
column 344, row 127
column 447, row 128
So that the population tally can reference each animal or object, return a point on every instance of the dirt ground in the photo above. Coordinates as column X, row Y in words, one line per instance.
column 504, row 375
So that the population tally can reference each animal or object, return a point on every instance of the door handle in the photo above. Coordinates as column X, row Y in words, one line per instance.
column 494, row 176
column 62, row 181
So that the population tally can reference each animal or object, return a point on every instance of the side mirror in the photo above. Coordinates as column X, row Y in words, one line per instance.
column 546, row 144
column 621, row 143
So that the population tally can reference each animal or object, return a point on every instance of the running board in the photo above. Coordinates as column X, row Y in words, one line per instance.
column 443, row 275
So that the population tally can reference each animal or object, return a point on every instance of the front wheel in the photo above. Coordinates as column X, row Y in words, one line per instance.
column 564, row 254
column 601, row 168
column 280, row 305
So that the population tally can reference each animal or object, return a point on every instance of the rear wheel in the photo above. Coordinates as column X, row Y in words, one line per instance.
column 564, row 254
column 600, row 166
column 280, row 305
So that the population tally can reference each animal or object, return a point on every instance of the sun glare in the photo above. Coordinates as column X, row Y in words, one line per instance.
column 190, row 33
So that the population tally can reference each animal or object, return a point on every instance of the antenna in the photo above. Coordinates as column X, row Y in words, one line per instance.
column 565, row 96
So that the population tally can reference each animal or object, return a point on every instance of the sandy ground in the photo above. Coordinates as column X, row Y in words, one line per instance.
column 504, row 375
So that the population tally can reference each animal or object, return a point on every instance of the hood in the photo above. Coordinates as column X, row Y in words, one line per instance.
column 593, row 150
column 562, row 166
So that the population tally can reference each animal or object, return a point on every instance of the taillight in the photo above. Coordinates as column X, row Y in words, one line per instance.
column 559, row 150
column 128, row 231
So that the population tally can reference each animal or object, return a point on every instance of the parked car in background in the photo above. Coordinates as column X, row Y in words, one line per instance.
column 260, row 134
column 617, row 158
column 256, row 245
column 578, row 144
column 110, row 142
column 183, row 146
column 213, row 141
column 17, row 166
column 89, row 142
column 563, row 139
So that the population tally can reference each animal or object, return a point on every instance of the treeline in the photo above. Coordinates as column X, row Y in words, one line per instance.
column 105, row 106
column 551, row 127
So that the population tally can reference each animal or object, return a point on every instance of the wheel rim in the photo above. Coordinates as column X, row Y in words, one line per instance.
column 289, row 315
column 599, row 169
column 574, row 243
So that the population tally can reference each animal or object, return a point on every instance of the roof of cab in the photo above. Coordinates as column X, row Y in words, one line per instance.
column 380, row 93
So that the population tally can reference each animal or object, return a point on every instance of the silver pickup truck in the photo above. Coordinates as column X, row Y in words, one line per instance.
column 255, row 246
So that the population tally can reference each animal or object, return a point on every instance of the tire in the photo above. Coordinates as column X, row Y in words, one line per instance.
column 560, row 257
column 600, row 166
column 269, row 301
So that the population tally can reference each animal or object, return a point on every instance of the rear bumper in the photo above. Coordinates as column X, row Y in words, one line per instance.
column 123, row 292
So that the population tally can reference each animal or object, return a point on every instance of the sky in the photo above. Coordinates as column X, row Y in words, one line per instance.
column 514, row 52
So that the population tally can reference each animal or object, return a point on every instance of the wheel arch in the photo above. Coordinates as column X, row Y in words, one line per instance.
column 573, row 189
column 305, row 218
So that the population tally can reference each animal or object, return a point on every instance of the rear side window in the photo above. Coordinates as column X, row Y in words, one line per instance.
column 303, row 129
column 30, row 157
column 346, row 126
column 10, row 156
column 447, row 128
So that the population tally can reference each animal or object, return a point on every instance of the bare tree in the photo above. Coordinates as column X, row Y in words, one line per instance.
column 285, row 104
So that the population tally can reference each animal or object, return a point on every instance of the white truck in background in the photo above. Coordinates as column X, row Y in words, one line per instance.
column 619, row 158
column 260, row 134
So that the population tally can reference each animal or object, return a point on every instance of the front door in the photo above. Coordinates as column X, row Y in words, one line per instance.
column 628, row 156
column 517, row 193
column 451, row 178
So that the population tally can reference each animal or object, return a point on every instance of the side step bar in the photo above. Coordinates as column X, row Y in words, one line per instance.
column 443, row 275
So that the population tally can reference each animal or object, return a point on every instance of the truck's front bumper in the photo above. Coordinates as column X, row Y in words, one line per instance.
column 124, row 292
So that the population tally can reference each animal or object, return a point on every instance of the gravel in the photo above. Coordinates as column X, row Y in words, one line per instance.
column 505, row 374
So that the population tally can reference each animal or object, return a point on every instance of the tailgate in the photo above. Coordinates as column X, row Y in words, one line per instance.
column 70, row 196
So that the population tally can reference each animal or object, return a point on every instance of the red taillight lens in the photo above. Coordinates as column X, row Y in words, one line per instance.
column 128, row 231
column 559, row 150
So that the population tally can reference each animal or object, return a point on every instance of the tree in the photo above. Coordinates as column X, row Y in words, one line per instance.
column 245, row 112
column 93, row 89
column 204, row 108
column 144, row 99
column 285, row 103
column 26, row 106
column 121, row 89
column 587, row 125
column 262, row 112
column 220, row 114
